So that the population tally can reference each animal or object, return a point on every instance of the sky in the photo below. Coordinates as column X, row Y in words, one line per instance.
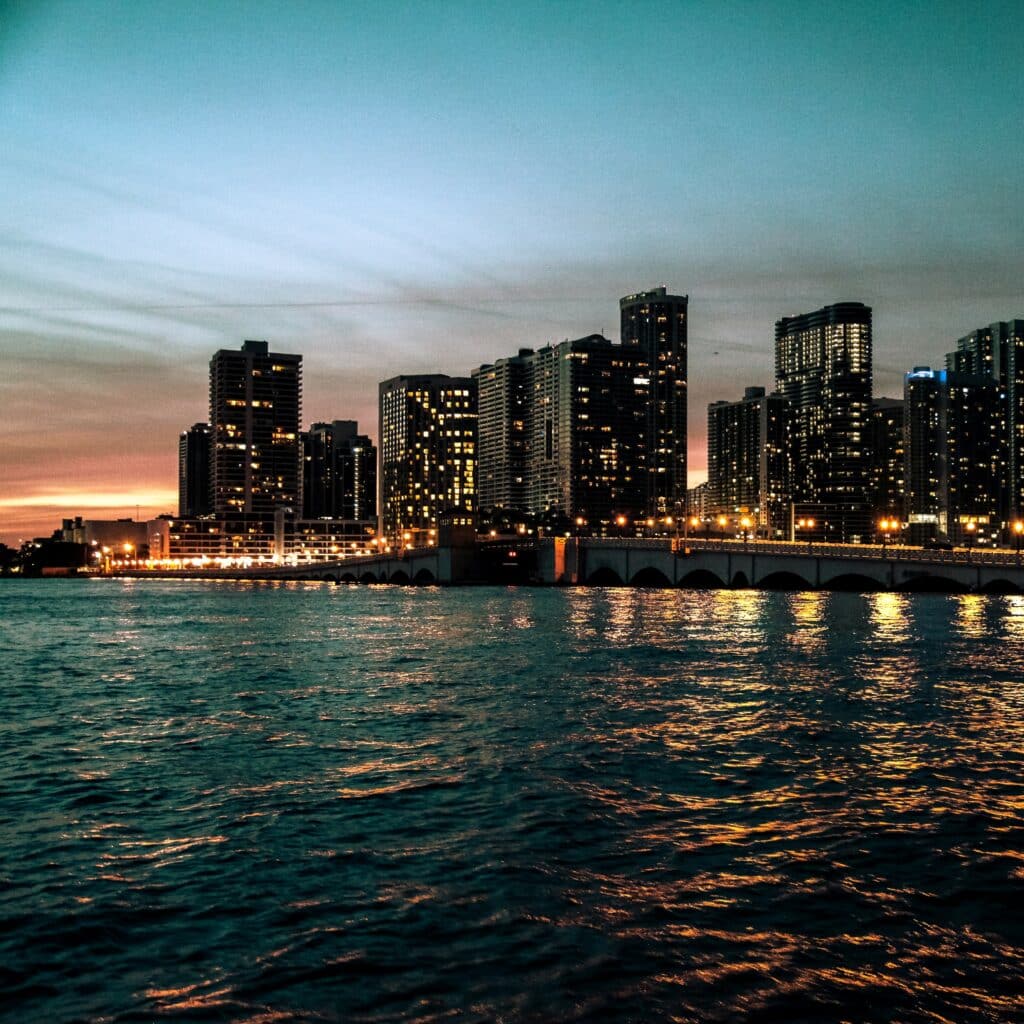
column 401, row 188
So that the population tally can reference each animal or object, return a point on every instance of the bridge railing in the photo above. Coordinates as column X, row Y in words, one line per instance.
column 872, row 552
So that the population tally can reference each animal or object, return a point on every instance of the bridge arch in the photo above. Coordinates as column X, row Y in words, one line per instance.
column 348, row 577
column 783, row 579
column 424, row 578
column 368, row 577
column 604, row 577
column 702, row 579
column 928, row 583
column 740, row 581
column 853, row 582
column 649, row 576
column 400, row 576
column 999, row 586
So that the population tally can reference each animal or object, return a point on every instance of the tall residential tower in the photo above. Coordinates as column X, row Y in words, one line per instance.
column 255, row 405
column 194, row 447
column 339, row 472
column 654, row 324
column 823, row 366
column 502, row 434
column 427, row 454
column 997, row 352
column 749, row 459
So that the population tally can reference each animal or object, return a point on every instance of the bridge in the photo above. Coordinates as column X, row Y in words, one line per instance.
column 778, row 565
column 666, row 562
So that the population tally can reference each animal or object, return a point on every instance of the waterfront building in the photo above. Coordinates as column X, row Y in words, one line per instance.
column 997, row 352
column 823, row 366
column 112, row 541
column 502, row 432
column 427, row 455
column 255, row 407
column 339, row 472
column 748, row 460
column 956, row 453
column 654, row 324
column 194, row 446
column 586, row 429
column 283, row 537
column 887, row 464
column 697, row 503
column 562, row 434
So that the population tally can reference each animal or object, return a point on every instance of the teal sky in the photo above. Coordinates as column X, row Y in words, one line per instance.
column 406, row 187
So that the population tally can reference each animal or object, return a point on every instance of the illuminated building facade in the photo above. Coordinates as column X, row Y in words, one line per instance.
column 823, row 366
column 427, row 454
column 697, row 503
column 997, row 352
column 749, row 459
column 255, row 408
column 654, row 325
column 194, row 446
column 586, row 422
column 955, row 457
column 887, row 467
column 284, row 537
column 502, row 432
column 339, row 472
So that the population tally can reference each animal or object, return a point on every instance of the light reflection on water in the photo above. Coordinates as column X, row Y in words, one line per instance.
column 298, row 802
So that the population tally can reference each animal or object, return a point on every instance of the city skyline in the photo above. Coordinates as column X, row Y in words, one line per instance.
column 437, row 196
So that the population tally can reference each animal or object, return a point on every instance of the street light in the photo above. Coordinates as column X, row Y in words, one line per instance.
column 887, row 526
column 620, row 522
column 807, row 525
column 969, row 528
column 746, row 523
column 1018, row 529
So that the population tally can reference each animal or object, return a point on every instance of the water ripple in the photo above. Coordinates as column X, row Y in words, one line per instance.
column 285, row 803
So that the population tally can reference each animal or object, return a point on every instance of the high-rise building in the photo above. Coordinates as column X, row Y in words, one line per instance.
column 654, row 323
column 823, row 366
column 997, row 352
column 339, row 472
column 194, row 446
column 502, row 432
column 955, row 429
column 255, row 405
column 887, row 467
column 586, row 426
column 427, row 455
column 748, row 459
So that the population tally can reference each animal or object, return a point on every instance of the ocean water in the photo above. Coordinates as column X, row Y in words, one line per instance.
column 297, row 802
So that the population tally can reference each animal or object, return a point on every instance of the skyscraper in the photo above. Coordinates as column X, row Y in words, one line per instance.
column 194, row 471
column 586, row 421
column 955, row 428
column 255, row 406
column 887, row 466
column 748, row 459
column 997, row 352
column 427, row 454
column 339, row 472
column 823, row 366
column 655, row 325
column 502, row 432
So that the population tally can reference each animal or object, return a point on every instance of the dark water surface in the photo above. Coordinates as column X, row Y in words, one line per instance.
column 230, row 802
